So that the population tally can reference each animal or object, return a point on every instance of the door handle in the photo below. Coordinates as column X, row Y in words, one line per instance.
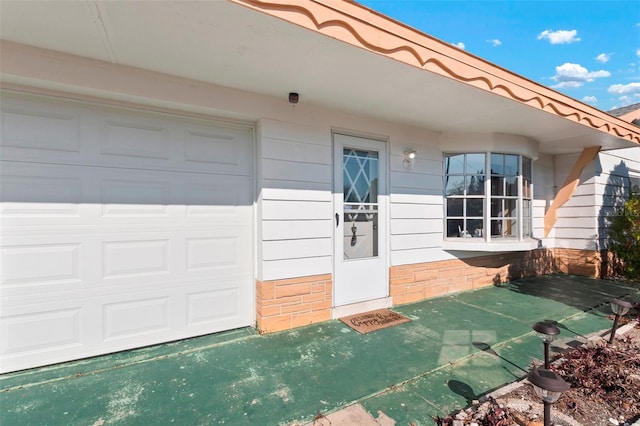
column 337, row 220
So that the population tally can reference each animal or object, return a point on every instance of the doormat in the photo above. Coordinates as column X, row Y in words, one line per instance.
column 375, row 320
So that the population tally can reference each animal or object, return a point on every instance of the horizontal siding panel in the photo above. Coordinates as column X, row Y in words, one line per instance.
column 292, row 268
column 405, row 198
column 414, row 180
column 293, row 171
column 296, row 210
column 570, row 211
column 313, row 134
column 416, row 226
column 295, row 185
column 416, row 241
column 416, row 211
column 296, row 229
column 420, row 165
column 407, row 257
column 279, row 149
column 296, row 249
column 577, row 222
column 292, row 194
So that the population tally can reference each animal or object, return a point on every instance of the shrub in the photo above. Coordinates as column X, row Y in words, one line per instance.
column 624, row 237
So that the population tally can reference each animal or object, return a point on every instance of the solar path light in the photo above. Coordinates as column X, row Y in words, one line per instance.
column 548, row 385
column 547, row 331
column 619, row 308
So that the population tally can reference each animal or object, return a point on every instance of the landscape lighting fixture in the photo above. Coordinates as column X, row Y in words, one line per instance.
column 548, row 385
column 619, row 308
column 409, row 158
column 546, row 330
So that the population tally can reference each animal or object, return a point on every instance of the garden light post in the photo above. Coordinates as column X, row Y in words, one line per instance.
column 546, row 331
column 619, row 308
column 548, row 385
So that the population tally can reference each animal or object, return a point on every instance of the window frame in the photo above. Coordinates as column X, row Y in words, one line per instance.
column 522, row 181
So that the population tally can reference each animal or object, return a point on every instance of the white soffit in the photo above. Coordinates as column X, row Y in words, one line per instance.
column 229, row 45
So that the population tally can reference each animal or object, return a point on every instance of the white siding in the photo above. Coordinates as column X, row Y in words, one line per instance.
column 296, row 204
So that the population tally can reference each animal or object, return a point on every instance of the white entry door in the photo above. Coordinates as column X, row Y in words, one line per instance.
column 360, row 221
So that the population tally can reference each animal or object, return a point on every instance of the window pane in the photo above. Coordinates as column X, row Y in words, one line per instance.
column 526, row 188
column 475, row 207
column 497, row 164
column 454, row 185
column 454, row 227
column 526, row 218
column 454, row 164
column 511, row 165
column 475, row 163
column 511, row 186
column 475, row 185
column 497, row 185
column 510, row 208
column 496, row 207
column 526, row 167
column 474, row 226
column 454, row 206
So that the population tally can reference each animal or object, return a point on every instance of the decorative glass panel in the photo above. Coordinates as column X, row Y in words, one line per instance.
column 360, row 219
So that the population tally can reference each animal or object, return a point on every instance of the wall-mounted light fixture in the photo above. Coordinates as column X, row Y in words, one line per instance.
column 409, row 158
column 293, row 98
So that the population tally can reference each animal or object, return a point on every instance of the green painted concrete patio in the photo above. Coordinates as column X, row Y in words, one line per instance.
column 457, row 348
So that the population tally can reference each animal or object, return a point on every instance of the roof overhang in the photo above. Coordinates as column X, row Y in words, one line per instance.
column 336, row 54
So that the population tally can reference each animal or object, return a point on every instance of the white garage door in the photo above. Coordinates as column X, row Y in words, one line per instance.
column 119, row 229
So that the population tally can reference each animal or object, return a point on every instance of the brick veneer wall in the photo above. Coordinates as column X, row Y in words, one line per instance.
column 294, row 302
column 411, row 283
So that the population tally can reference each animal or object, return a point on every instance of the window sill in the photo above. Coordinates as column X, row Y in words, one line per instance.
column 468, row 244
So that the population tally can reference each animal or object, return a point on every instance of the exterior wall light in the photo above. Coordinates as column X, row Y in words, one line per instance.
column 548, row 385
column 547, row 331
column 409, row 158
column 619, row 308
column 293, row 98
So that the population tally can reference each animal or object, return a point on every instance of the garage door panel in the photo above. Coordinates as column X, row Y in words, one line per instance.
column 119, row 229
column 108, row 137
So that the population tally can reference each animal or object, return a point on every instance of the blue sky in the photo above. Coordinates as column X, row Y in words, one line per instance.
column 589, row 50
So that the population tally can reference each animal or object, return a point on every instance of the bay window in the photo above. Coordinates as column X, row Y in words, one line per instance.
column 488, row 196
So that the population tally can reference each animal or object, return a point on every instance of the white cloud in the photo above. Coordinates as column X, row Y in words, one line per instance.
column 560, row 36
column 570, row 75
column 603, row 58
column 590, row 99
column 625, row 89
column 459, row 44
column 638, row 53
column 495, row 42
